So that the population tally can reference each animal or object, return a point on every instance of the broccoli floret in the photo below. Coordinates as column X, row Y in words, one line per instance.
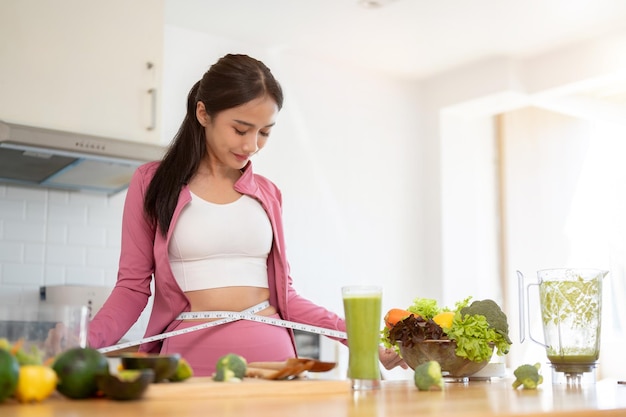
column 494, row 315
column 230, row 368
column 527, row 376
column 428, row 376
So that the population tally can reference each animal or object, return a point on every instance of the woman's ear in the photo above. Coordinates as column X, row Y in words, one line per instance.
column 201, row 114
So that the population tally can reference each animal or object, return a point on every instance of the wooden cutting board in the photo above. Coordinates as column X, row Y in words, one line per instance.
column 204, row 387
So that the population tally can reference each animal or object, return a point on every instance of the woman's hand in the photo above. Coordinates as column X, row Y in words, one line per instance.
column 390, row 359
column 57, row 336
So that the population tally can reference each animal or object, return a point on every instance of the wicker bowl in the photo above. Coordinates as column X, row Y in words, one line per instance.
column 442, row 351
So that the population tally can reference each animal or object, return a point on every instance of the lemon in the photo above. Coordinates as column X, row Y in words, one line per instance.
column 444, row 320
column 35, row 383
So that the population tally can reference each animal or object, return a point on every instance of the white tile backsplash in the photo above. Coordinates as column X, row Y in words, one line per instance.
column 25, row 194
column 86, row 235
column 113, row 238
column 34, row 253
column 102, row 257
column 56, row 233
column 52, row 237
column 104, row 216
column 85, row 199
column 66, row 255
column 84, row 276
column 22, row 274
column 11, row 251
column 66, row 213
column 35, row 211
column 12, row 209
column 22, row 231
column 12, row 292
column 54, row 275
column 58, row 197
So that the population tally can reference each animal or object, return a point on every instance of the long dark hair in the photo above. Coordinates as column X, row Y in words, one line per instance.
column 232, row 81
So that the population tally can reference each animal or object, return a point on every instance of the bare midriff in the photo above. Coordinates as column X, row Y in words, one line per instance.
column 229, row 299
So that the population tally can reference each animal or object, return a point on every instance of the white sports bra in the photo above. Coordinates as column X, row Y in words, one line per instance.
column 221, row 245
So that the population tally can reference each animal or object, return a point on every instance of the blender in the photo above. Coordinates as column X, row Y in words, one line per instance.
column 571, row 311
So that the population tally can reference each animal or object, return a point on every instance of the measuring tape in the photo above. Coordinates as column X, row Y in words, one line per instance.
column 227, row 317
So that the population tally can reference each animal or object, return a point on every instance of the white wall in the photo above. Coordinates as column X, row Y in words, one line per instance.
column 469, row 203
column 566, row 174
column 542, row 234
column 544, row 152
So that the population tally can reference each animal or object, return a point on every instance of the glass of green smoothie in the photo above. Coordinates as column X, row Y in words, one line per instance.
column 362, row 307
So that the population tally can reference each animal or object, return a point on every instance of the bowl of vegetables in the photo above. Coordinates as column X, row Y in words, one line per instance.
column 444, row 352
column 462, row 339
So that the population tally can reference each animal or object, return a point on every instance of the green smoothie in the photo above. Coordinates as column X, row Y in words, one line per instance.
column 571, row 313
column 555, row 359
column 363, row 312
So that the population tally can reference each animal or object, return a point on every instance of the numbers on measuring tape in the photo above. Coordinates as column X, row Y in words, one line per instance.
column 264, row 319
column 227, row 317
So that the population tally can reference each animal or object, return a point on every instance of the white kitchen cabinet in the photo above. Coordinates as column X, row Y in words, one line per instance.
column 83, row 65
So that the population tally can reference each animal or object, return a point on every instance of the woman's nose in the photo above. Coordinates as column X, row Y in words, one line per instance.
column 251, row 143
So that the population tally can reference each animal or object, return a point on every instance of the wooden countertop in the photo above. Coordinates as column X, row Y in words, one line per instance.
column 204, row 397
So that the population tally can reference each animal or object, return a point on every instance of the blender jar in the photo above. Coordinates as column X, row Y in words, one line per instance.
column 571, row 311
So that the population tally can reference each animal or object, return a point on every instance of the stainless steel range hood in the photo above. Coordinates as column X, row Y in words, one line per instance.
column 32, row 156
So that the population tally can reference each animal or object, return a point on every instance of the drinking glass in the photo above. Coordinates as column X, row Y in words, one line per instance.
column 362, row 308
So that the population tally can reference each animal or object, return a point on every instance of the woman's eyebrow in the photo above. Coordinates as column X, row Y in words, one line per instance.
column 251, row 124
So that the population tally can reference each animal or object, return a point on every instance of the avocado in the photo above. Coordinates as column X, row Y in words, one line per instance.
column 77, row 369
column 128, row 384
column 164, row 366
column 9, row 374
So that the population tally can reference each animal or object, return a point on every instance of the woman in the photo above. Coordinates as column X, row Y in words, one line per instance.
column 210, row 232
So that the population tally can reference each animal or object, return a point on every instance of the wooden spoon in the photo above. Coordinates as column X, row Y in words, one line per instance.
column 315, row 365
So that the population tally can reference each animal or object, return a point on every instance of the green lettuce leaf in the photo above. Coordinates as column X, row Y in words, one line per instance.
column 425, row 307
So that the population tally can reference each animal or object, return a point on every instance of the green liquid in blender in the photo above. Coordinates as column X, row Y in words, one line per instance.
column 573, row 359
column 571, row 312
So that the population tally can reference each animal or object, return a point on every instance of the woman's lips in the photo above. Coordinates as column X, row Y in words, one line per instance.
column 240, row 157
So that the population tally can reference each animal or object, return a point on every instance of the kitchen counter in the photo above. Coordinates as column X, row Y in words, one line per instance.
column 318, row 398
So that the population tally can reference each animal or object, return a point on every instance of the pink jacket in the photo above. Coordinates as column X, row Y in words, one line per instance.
column 144, row 255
